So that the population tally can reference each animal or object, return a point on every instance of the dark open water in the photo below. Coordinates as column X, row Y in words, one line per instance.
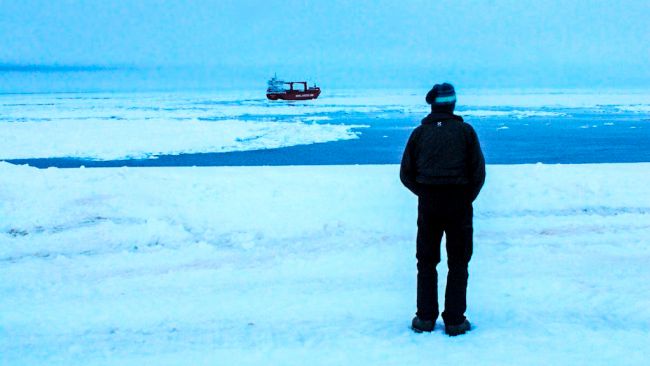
column 580, row 137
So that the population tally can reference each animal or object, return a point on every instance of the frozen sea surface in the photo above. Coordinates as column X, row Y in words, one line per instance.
column 315, row 266
column 341, row 127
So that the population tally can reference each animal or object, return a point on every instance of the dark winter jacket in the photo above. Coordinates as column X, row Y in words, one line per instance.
column 443, row 150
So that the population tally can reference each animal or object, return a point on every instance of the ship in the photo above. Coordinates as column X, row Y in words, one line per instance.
column 277, row 90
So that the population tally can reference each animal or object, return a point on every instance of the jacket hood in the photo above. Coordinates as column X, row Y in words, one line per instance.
column 440, row 116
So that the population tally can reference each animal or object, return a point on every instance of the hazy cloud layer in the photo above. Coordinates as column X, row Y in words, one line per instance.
column 478, row 43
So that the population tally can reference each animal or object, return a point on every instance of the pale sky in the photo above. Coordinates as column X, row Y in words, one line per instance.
column 369, row 42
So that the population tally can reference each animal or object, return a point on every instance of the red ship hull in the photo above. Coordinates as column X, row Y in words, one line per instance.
column 310, row 93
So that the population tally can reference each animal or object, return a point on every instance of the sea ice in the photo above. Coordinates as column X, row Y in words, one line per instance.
column 315, row 265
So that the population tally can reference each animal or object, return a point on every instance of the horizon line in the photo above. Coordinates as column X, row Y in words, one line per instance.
column 50, row 68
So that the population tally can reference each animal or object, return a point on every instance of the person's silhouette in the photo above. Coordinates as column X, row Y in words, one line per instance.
column 444, row 166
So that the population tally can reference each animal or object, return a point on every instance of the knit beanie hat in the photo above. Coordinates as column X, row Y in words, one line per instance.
column 442, row 97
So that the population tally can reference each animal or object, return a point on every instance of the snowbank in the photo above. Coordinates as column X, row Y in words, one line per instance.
column 314, row 265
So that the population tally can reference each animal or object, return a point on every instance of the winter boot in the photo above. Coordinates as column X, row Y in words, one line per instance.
column 454, row 330
column 420, row 325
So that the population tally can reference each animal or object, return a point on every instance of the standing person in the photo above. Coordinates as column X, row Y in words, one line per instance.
column 444, row 166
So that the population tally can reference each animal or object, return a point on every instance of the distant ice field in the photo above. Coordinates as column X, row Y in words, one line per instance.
column 341, row 127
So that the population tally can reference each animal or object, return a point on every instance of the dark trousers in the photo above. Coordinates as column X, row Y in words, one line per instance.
column 445, row 209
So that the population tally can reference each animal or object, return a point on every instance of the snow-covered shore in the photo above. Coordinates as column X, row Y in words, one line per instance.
column 315, row 265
